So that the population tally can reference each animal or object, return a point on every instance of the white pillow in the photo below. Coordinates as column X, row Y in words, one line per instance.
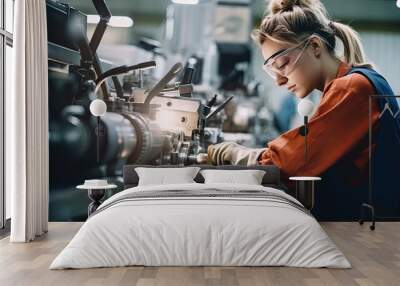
column 248, row 177
column 162, row 176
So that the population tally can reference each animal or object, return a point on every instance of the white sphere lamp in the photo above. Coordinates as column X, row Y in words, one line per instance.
column 98, row 107
column 305, row 107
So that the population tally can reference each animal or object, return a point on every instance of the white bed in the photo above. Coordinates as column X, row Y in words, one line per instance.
column 206, row 230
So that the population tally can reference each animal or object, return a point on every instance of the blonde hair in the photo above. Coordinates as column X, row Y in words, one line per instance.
column 294, row 20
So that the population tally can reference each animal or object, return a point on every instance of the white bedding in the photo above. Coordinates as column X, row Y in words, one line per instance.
column 200, row 231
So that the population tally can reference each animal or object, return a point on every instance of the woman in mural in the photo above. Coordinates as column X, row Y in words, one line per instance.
column 299, row 45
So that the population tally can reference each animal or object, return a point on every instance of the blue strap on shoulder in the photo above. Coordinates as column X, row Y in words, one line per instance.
column 381, row 87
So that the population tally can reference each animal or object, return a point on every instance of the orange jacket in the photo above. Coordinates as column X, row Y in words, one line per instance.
column 337, row 130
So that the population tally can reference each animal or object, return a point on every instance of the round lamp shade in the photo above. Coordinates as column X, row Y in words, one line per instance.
column 98, row 107
column 305, row 107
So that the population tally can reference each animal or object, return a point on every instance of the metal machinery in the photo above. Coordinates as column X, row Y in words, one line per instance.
column 152, row 117
column 163, row 124
column 214, row 36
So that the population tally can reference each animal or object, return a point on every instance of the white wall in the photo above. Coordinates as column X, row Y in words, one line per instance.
column 383, row 49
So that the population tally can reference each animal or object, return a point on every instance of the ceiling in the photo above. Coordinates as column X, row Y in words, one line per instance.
column 383, row 11
column 149, row 15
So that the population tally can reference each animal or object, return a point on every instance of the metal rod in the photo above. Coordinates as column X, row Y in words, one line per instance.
column 98, row 139
column 219, row 108
column 370, row 151
column 305, row 149
column 176, row 68
column 385, row 96
column 98, row 35
column 105, row 15
column 370, row 203
column 305, row 140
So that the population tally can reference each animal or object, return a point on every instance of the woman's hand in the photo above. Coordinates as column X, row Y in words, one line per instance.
column 233, row 153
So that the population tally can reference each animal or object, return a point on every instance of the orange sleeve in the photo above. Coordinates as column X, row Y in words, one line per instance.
column 339, row 123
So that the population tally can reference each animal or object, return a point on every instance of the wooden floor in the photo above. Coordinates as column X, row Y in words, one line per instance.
column 374, row 255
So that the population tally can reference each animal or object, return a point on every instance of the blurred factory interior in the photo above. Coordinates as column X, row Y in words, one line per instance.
column 196, row 64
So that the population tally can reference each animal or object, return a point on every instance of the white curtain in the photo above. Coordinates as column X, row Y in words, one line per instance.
column 27, row 124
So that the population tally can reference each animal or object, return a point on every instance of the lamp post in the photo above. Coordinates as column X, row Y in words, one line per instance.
column 305, row 108
column 305, row 185
column 98, row 108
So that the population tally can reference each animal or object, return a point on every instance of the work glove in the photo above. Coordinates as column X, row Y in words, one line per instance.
column 233, row 153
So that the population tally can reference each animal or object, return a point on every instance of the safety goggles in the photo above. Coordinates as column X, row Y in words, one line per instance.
column 284, row 61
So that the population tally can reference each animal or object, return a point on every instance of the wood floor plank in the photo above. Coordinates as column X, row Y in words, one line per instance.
column 374, row 255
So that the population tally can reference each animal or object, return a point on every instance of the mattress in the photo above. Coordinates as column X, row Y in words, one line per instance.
column 201, row 225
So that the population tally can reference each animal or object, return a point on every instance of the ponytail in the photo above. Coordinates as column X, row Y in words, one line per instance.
column 353, row 50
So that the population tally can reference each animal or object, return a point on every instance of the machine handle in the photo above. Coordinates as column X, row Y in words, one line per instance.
column 219, row 108
column 121, row 70
column 124, row 69
column 212, row 101
column 176, row 68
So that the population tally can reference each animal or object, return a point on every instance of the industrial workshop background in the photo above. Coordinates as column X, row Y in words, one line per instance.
column 220, row 66
column 213, row 38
